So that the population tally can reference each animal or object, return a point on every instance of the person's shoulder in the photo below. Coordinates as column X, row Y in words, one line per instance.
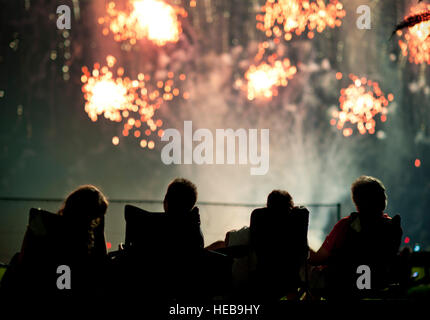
column 395, row 221
column 258, row 215
column 299, row 214
column 386, row 216
column 258, row 211
column 194, row 215
column 346, row 221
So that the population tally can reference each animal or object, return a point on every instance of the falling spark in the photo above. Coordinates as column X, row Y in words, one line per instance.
column 416, row 41
column 154, row 20
column 123, row 100
column 285, row 17
column 360, row 102
column 263, row 80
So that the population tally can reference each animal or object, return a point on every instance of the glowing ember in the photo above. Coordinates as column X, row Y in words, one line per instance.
column 115, row 141
column 360, row 102
column 151, row 19
column 126, row 101
column 285, row 17
column 417, row 163
column 416, row 42
column 263, row 80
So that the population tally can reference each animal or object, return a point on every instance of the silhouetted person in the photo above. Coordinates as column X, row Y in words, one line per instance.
column 73, row 237
column 366, row 237
column 183, row 217
column 279, row 237
column 83, row 212
column 163, row 250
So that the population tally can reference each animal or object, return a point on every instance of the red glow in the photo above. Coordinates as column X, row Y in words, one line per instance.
column 108, row 245
column 417, row 163
column 407, row 240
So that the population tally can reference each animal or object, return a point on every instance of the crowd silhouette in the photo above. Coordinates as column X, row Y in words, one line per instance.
column 164, row 257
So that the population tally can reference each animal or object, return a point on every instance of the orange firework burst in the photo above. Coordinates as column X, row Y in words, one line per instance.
column 360, row 102
column 120, row 99
column 416, row 41
column 285, row 17
column 154, row 20
column 264, row 79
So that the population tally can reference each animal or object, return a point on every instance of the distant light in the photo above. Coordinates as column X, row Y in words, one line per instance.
column 115, row 141
column 417, row 163
column 415, row 274
column 417, row 248
column 407, row 240
column 108, row 245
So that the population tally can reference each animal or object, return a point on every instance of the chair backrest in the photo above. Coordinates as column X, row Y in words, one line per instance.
column 278, row 234
column 144, row 229
column 374, row 245
column 51, row 234
column 157, row 258
column 280, row 243
column 44, row 235
column 149, row 230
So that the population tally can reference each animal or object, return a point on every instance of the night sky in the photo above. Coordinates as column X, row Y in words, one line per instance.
column 49, row 145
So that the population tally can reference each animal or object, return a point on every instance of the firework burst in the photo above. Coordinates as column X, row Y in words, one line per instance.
column 360, row 102
column 416, row 40
column 130, row 102
column 263, row 80
column 154, row 20
column 285, row 17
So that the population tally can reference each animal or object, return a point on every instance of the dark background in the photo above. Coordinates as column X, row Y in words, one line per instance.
column 49, row 146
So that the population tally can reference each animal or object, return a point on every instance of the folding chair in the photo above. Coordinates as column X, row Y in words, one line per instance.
column 154, row 260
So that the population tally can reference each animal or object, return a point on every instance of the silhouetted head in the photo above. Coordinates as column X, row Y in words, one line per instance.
column 84, row 211
column 181, row 196
column 86, row 203
column 368, row 194
column 280, row 200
